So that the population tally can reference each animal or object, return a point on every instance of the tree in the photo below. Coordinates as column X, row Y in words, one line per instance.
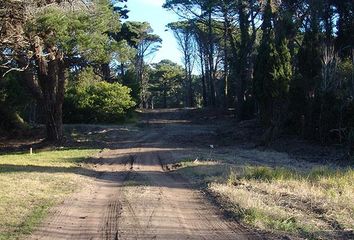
column 266, row 60
column 243, row 58
column 49, row 41
column 345, row 26
column 167, row 84
column 272, row 72
column 140, row 36
column 201, row 12
column 184, row 34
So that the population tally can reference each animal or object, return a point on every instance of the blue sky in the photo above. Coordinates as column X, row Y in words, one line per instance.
column 151, row 11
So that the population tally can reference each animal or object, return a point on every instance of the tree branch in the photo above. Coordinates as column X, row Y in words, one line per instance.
column 15, row 69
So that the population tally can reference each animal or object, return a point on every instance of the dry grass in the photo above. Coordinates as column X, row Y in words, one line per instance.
column 31, row 184
column 310, row 201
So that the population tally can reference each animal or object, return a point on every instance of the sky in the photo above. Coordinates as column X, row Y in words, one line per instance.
column 151, row 11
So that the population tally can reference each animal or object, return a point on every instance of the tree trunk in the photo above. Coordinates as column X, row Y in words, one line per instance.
column 204, row 88
column 53, row 97
column 190, row 88
column 211, row 60
column 232, row 88
column 205, row 99
column 243, row 61
column 188, row 72
column 226, row 66
column 266, row 112
column 51, row 81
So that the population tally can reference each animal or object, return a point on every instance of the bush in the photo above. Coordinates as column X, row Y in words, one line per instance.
column 90, row 100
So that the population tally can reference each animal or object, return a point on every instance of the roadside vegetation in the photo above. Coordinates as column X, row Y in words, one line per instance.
column 311, row 201
column 31, row 184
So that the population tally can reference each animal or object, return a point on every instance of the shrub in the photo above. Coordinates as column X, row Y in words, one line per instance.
column 90, row 100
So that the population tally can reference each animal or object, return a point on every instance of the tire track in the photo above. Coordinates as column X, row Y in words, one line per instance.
column 134, row 196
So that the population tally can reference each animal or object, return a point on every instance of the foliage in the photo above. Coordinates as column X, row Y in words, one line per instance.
column 91, row 100
column 265, row 80
column 51, row 38
column 79, row 32
column 14, row 100
column 13, row 92
column 167, row 84
column 263, row 58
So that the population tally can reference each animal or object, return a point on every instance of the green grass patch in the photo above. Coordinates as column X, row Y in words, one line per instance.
column 328, row 178
column 31, row 184
column 268, row 174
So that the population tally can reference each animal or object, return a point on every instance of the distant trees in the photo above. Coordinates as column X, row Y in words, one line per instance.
column 183, row 32
column 139, row 36
column 148, row 43
column 167, row 84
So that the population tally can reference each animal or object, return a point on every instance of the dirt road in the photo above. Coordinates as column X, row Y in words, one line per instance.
column 134, row 196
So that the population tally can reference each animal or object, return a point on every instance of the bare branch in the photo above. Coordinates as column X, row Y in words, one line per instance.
column 15, row 69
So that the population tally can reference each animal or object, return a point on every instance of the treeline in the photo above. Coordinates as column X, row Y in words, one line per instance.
column 288, row 62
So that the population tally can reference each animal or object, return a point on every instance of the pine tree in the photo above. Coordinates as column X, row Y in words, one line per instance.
column 264, row 69
column 273, row 72
column 285, row 70
column 303, row 88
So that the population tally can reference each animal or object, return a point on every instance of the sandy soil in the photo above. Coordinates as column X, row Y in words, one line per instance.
column 134, row 196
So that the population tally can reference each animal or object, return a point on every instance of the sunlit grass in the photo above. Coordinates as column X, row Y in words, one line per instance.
column 316, row 203
column 31, row 184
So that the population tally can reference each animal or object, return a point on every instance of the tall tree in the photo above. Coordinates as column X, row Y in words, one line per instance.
column 243, row 57
column 54, row 39
column 183, row 32
column 146, row 43
column 265, row 64
column 202, row 13
column 273, row 72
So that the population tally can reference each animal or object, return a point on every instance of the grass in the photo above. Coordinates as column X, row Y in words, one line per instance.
column 314, row 203
column 31, row 184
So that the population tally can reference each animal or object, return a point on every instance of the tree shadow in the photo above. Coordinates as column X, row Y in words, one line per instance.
column 10, row 168
column 115, row 169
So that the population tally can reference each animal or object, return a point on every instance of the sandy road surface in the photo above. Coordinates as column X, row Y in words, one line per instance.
column 134, row 197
